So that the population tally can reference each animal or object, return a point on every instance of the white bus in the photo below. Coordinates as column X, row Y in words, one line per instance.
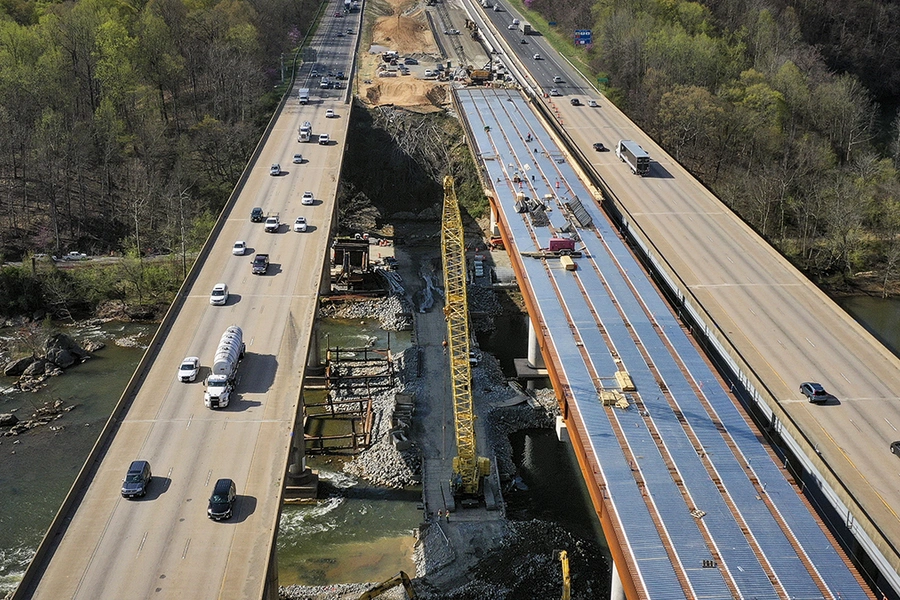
column 636, row 157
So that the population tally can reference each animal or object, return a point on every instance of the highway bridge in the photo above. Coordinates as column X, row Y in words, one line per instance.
column 164, row 545
column 765, row 324
column 693, row 503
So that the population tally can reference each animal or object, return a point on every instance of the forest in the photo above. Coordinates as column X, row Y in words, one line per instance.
column 124, row 126
column 786, row 109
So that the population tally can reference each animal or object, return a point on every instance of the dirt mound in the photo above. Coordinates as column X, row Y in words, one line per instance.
column 407, row 34
column 404, row 91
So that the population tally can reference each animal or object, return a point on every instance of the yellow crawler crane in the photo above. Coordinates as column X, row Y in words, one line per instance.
column 468, row 468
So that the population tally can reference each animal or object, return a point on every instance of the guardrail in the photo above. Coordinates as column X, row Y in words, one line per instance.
column 731, row 359
column 60, row 522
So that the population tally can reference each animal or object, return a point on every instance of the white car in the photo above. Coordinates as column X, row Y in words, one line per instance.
column 329, row 114
column 554, row 92
column 537, row 57
column 592, row 103
column 324, row 140
column 219, row 295
column 239, row 248
column 429, row 73
column 307, row 198
column 557, row 79
column 275, row 170
column 298, row 159
column 189, row 368
column 300, row 224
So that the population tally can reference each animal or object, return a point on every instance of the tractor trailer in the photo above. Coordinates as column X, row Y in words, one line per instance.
column 636, row 157
column 229, row 353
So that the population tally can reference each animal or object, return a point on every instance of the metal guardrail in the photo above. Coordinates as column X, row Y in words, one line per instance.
column 60, row 522
column 731, row 358
column 717, row 341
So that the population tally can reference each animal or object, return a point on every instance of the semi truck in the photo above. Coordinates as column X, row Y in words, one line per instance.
column 636, row 157
column 304, row 134
column 220, row 382
column 526, row 28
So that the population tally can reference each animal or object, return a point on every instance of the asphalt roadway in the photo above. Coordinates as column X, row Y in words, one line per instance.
column 164, row 545
column 770, row 320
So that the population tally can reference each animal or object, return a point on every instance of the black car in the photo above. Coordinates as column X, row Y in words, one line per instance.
column 137, row 479
column 599, row 147
column 257, row 215
column 814, row 392
column 260, row 264
column 895, row 448
column 221, row 503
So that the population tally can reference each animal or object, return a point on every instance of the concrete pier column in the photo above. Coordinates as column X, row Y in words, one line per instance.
column 301, row 482
column 298, row 454
column 314, row 364
column 535, row 359
column 495, row 229
column 616, row 591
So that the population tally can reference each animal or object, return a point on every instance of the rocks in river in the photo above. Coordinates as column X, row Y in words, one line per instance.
column 63, row 351
column 60, row 352
column 43, row 415
column 16, row 367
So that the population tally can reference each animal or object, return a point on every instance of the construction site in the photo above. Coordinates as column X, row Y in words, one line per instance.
column 438, row 415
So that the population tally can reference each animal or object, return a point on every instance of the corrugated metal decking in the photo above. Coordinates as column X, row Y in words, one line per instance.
column 682, row 454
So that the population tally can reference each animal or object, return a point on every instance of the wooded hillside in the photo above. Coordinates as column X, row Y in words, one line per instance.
column 739, row 92
column 124, row 125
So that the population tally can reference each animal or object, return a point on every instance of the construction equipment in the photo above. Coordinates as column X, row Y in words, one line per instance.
column 468, row 468
column 566, row 578
column 400, row 578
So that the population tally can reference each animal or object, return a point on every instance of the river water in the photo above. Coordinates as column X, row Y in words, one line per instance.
column 38, row 467
column 357, row 533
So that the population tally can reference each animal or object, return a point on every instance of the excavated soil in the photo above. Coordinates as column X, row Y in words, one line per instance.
column 410, row 35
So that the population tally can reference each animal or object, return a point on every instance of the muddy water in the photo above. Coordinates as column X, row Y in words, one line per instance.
column 358, row 533
column 38, row 467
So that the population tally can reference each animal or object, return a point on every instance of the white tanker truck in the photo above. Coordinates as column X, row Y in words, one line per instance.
column 220, row 383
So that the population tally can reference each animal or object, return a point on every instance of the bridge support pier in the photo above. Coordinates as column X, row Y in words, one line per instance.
column 616, row 590
column 532, row 367
column 495, row 229
column 535, row 358
column 314, row 364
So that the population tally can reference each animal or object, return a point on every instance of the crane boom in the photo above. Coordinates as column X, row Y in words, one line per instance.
column 468, row 468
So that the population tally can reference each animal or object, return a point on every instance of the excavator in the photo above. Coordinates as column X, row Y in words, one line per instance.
column 400, row 578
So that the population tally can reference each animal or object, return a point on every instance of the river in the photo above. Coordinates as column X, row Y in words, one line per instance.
column 357, row 533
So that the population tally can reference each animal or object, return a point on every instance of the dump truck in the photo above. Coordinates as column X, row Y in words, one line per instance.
column 229, row 353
